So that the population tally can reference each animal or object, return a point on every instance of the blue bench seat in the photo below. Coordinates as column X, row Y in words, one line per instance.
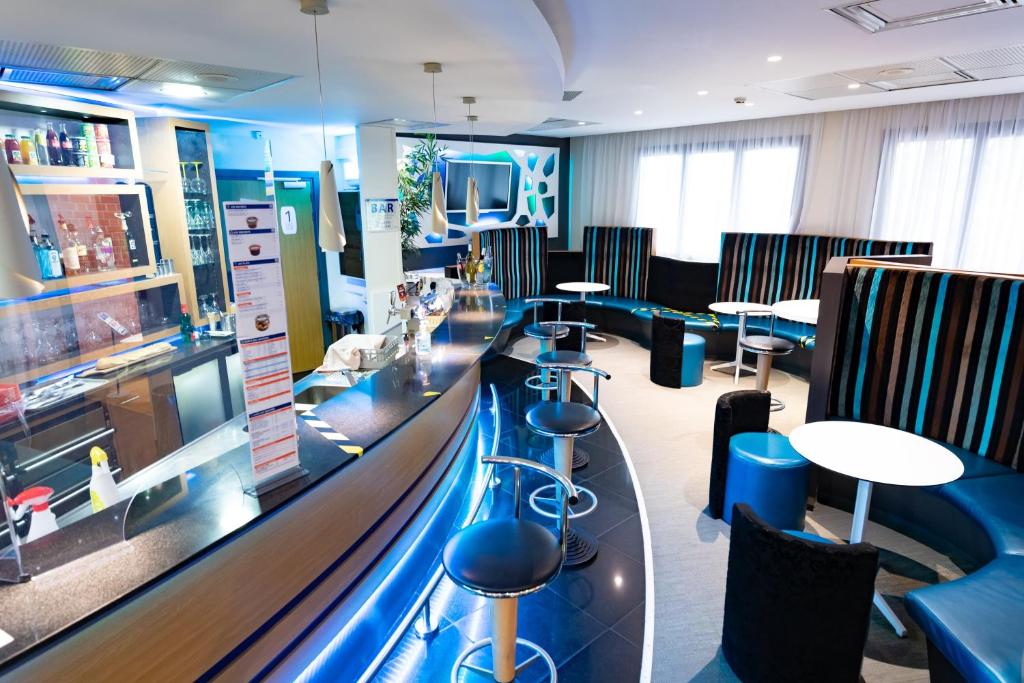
column 997, row 504
column 695, row 322
column 976, row 466
column 975, row 621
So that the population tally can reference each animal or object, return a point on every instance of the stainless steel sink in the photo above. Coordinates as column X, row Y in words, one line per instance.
column 319, row 393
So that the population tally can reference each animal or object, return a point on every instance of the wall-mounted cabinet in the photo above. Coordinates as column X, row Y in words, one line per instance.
column 50, row 138
column 99, row 233
column 179, row 168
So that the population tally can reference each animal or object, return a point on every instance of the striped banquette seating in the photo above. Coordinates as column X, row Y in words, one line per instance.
column 519, row 259
column 766, row 267
column 940, row 354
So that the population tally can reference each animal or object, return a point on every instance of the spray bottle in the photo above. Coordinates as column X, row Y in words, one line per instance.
column 43, row 520
column 102, row 489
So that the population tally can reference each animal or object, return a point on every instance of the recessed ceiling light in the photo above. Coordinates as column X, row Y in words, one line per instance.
column 702, row 92
column 896, row 71
column 638, row 112
column 581, row 123
column 853, row 86
column 183, row 90
column 775, row 58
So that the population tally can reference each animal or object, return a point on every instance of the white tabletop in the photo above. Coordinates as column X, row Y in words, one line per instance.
column 875, row 453
column 800, row 310
column 737, row 307
column 585, row 287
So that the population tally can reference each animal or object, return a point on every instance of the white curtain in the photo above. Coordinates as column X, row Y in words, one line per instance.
column 693, row 183
column 949, row 172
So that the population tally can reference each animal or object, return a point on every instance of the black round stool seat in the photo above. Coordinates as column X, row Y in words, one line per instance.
column 567, row 357
column 761, row 343
column 503, row 556
column 563, row 419
column 538, row 331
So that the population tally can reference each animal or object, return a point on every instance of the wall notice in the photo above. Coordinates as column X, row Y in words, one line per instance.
column 382, row 215
column 254, row 251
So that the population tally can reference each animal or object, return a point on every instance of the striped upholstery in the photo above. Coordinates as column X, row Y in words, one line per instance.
column 519, row 258
column 937, row 353
column 618, row 257
column 767, row 267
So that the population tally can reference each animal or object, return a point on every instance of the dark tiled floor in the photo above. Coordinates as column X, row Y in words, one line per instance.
column 590, row 619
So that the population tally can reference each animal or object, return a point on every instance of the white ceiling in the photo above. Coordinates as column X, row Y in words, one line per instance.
column 516, row 56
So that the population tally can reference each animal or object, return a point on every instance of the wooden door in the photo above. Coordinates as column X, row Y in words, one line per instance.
column 298, row 265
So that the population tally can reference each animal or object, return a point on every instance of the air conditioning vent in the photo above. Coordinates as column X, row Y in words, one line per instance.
column 559, row 124
column 570, row 95
column 885, row 15
column 61, row 79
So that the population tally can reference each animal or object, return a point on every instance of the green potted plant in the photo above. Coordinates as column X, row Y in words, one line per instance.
column 414, row 177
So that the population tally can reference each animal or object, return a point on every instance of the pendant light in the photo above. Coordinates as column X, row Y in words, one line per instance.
column 332, row 229
column 472, row 193
column 19, row 271
column 438, row 211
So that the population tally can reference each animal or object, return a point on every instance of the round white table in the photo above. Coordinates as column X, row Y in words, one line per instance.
column 797, row 310
column 583, row 288
column 872, row 453
column 740, row 309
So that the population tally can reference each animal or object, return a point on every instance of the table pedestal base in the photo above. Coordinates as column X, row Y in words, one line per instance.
column 860, row 518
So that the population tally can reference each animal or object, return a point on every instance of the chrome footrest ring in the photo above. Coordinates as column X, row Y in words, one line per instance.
column 550, row 505
column 539, row 653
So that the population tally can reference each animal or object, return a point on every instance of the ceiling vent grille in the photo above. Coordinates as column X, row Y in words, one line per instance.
column 885, row 15
column 559, row 124
column 72, row 67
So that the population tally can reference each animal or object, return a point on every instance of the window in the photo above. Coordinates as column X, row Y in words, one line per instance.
column 961, row 192
column 691, row 197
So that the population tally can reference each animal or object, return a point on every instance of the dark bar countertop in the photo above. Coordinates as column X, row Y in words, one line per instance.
column 176, row 519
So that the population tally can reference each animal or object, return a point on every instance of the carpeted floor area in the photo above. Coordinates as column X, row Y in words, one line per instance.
column 667, row 433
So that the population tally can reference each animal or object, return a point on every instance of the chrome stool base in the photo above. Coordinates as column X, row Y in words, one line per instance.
column 580, row 548
column 539, row 653
column 538, row 383
column 539, row 502
column 776, row 405
column 580, row 458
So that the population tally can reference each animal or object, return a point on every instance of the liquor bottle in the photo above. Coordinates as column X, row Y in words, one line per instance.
column 185, row 325
column 53, row 146
column 72, row 266
column 53, row 257
column 93, row 249
column 103, row 248
column 67, row 154
column 42, row 153
column 42, row 258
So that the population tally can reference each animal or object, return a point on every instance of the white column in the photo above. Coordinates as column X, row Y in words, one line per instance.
column 382, row 251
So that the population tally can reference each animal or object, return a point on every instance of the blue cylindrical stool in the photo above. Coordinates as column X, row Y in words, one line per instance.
column 693, row 360
column 767, row 473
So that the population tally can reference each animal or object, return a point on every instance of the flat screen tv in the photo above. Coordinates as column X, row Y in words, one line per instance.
column 493, row 182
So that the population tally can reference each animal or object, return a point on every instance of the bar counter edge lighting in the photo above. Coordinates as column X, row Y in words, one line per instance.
column 322, row 575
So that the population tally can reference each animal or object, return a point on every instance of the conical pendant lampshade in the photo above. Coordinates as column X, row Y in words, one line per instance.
column 438, row 211
column 332, row 229
column 472, row 202
column 19, row 270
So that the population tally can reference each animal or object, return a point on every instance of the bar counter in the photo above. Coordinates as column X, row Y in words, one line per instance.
column 211, row 581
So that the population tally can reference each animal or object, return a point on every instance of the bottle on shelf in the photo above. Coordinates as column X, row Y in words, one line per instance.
column 54, row 268
column 185, row 326
column 42, row 258
column 67, row 152
column 42, row 153
column 28, row 151
column 72, row 266
column 92, row 158
column 102, row 488
column 12, row 148
column 53, row 146
column 103, row 247
column 106, row 156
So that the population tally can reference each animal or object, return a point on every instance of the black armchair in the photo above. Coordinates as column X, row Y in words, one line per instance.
column 795, row 610
column 735, row 412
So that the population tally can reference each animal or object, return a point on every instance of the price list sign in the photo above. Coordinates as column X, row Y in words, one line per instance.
column 254, row 251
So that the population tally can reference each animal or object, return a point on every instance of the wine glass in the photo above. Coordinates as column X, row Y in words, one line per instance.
column 184, row 176
column 199, row 186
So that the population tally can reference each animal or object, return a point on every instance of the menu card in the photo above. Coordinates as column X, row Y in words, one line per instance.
column 254, row 252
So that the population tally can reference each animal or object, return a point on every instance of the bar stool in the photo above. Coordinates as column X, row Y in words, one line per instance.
column 564, row 422
column 547, row 333
column 766, row 347
column 504, row 559
column 580, row 457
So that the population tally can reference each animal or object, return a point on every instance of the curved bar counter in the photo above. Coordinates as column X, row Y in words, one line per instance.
column 212, row 582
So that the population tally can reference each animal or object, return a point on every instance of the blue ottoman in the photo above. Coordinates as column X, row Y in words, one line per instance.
column 767, row 474
column 693, row 360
